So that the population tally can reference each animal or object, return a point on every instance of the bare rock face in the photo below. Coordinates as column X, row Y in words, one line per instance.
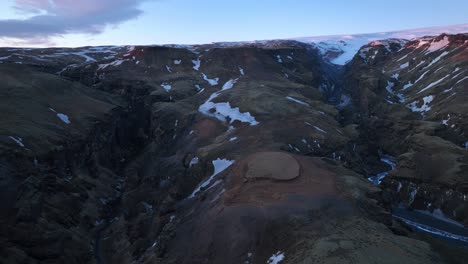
column 272, row 165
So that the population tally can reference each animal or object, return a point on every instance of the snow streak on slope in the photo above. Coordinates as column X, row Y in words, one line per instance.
column 344, row 47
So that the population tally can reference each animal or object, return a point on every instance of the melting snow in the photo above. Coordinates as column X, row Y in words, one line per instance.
column 219, row 166
column 61, row 116
column 422, row 76
column 166, row 87
column 18, row 141
column 168, row 69
column 64, row 118
column 177, row 62
column 435, row 46
column 241, row 71
column 445, row 121
column 276, row 258
column 212, row 82
column 461, row 80
column 404, row 65
column 433, row 84
column 229, row 84
column 425, row 107
column 363, row 53
column 279, row 58
column 193, row 161
column 419, row 64
column 408, row 85
column 402, row 58
column 389, row 87
column 454, row 77
column 319, row 129
column 196, row 64
column 436, row 59
column 297, row 101
column 233, row 139
column 114, row 64
column 224, row 110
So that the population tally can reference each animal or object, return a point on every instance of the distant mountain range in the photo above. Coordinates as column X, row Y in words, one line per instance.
column 237, row 152
column 341, row 48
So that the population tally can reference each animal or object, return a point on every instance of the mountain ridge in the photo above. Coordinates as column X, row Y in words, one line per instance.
column 171, row 154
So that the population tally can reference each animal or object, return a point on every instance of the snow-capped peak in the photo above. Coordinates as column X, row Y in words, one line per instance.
column 340, row 49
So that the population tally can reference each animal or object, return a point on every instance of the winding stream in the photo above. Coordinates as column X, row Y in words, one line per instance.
column 421, row 221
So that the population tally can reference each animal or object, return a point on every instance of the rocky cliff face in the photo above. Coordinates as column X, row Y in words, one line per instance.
column 229, row 153
column 411, row 99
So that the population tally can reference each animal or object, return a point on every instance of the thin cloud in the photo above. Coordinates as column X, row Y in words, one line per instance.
column 53, row 18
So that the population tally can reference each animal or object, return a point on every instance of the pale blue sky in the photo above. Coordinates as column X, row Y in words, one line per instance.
column 204, row 21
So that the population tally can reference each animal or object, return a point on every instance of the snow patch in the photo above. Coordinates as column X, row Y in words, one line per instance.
column 402, row 58
column 229, row 84
column 17, row 140
column 408, row 85
column 276, row 258
column 219, row 166
column 278, row 57
column 389, row 87
column 319, row 129
column 425, row 107
column 421, row 77
column 113, row 64
column 433, row 84
column 404, row 65
column 166, row 87
column 61, row 116
column 196, row 64
column 194, row 161
column 224, row 110
column 436, row 59
column 461, row 80
column 212, row 82
column 64, row 118
column 435, row 46
column 297, row 101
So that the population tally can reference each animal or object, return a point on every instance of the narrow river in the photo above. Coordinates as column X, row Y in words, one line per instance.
column 424, row 221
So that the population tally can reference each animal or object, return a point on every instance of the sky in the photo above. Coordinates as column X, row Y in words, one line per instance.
column 71, row 23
